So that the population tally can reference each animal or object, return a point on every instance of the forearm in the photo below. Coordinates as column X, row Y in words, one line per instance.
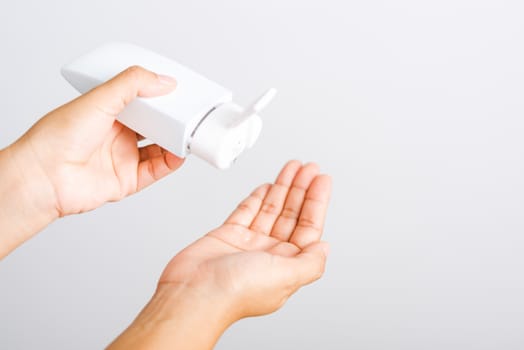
column 25, row 197
column 177, row 317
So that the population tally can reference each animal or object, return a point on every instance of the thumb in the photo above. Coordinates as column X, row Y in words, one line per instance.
column 308, row 266
column 89, row 118
column 112, row 96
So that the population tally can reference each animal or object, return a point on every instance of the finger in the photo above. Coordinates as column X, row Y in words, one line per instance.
column 139, row 137
column 275, row 198
column 112, row 96
column 284, row 249
column 249, row 207
column 154, row 167
column 311, row 220
column 150, row 152
column 287, row 221
column 304, row 268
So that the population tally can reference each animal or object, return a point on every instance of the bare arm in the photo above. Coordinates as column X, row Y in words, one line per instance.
column 265, row 251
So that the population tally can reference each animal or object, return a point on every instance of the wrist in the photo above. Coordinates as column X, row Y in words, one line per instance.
column 27, row 205
column 178, row 316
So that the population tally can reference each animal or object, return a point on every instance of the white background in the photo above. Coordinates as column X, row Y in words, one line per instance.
column 414, row 107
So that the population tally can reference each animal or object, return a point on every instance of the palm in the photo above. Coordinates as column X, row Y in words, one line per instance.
column 106, row 171
column 274, row 224
column 100, row 159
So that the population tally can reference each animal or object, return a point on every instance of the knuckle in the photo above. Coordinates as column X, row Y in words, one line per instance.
column 266, row 187
column 134, row 72
column 260, row 192
column 290, row 213
column 245, row 207
column 270, row 208
column 309, row 223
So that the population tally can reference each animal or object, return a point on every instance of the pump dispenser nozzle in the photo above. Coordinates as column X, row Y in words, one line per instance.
column 228, row 130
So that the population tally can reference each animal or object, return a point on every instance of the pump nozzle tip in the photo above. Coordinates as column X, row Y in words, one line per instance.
column 256, row 106
column 264, row 100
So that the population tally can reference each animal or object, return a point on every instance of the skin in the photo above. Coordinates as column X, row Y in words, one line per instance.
column 78, row 157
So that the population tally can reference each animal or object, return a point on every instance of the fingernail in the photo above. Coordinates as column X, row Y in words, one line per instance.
column 166, row 80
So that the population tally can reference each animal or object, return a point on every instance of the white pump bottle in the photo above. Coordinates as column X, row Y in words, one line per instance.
column 198, row 117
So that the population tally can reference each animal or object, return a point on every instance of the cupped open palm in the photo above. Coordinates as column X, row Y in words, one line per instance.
column 268, row 248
